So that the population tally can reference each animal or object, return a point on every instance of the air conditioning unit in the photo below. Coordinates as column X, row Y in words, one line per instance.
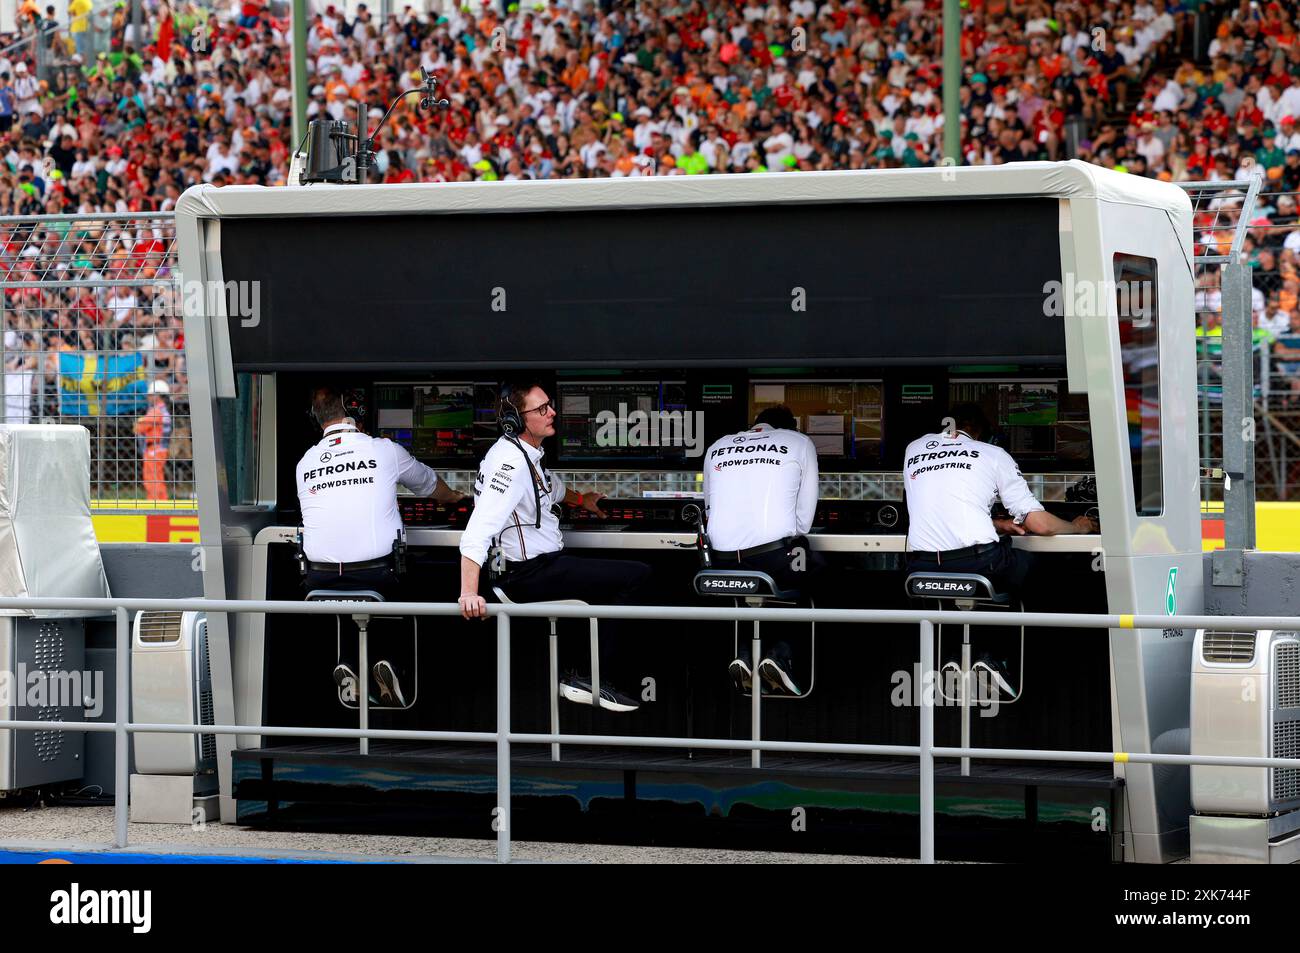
column 171, row 683
column 1245, row 701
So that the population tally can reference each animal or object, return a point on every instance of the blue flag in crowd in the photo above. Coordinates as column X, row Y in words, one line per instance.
column 95, row 384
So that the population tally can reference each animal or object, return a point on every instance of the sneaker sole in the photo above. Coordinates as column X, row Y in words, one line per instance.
column 741, row 677
column 582, row 696
column 776, row 678
column 1002, row 684
column 341, row 674
column 386, row 683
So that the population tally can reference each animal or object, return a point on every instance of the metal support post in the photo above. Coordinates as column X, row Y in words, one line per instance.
column 502, row 821
column 928, row 688
column 121, row 759
column 1238, row 409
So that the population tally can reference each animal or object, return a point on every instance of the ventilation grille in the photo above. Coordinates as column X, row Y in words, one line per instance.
column 207, row 743
column 160, row 627
column 48, row 648
column 1228, row 646
column 1286, row 744
column 1286, row 667
column 48, row 744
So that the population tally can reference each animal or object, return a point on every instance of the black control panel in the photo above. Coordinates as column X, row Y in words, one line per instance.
column 833, row 516
column 665, row 514
column 861, row 516
column 428, row 512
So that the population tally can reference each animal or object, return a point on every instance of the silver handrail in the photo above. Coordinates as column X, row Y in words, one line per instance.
column 503, row 737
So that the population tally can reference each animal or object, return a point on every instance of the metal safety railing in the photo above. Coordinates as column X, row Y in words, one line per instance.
column 503, row 737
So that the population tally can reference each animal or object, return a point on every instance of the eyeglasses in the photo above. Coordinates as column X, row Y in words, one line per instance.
column 542, row 409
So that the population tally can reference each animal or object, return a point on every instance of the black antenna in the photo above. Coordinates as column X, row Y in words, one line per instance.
column 365, row 146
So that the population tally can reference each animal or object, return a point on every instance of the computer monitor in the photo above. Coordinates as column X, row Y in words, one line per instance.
column 843, row 417
column 1033, row 419
column 449, row 423
column 641, row 420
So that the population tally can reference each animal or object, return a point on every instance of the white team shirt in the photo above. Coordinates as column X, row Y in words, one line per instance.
column 951, row 483
column 347, row 488
column 760, row 486
column 505, row 507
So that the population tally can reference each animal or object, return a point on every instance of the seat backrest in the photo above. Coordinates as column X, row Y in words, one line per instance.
column 344, row 595
column 741, row 584
column 966, row 586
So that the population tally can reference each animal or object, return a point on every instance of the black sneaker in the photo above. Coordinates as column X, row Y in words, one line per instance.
column 995, row 673
column 577, row 689
column 776, row 671
column 950, row 681
column 741, row 674
column 347, row 683
column 390, row 690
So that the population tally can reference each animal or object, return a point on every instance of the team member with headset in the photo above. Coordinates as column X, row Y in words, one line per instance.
column 952, row 480
column 760, row 495
column 347, row 490
column 515, row 517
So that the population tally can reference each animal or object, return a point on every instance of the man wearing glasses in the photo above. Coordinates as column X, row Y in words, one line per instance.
column 515, row 516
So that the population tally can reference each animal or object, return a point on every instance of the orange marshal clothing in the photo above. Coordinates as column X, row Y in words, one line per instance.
column 155, row 426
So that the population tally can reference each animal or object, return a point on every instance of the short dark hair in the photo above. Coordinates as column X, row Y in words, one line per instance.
column 327, row 405
column 780, row 417
column 972, row 419
column 515, row 392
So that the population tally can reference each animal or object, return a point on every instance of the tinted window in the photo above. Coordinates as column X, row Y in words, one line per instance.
column 1136, row 303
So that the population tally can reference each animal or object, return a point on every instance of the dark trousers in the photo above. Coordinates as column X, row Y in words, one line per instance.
column 614, row 582
column 387, row 639
column 794, row 566
column 1006, row 567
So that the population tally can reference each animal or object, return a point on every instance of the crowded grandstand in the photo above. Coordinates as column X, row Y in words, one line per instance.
column 99, row 120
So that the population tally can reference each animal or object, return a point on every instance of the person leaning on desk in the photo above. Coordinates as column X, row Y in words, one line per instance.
column 951, row 482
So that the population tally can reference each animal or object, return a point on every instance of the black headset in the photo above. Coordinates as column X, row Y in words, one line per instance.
column 354, row 405
column 509, row 419
column 511, row 422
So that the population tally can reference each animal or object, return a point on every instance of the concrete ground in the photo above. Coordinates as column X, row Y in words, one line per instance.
column 81, row 828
